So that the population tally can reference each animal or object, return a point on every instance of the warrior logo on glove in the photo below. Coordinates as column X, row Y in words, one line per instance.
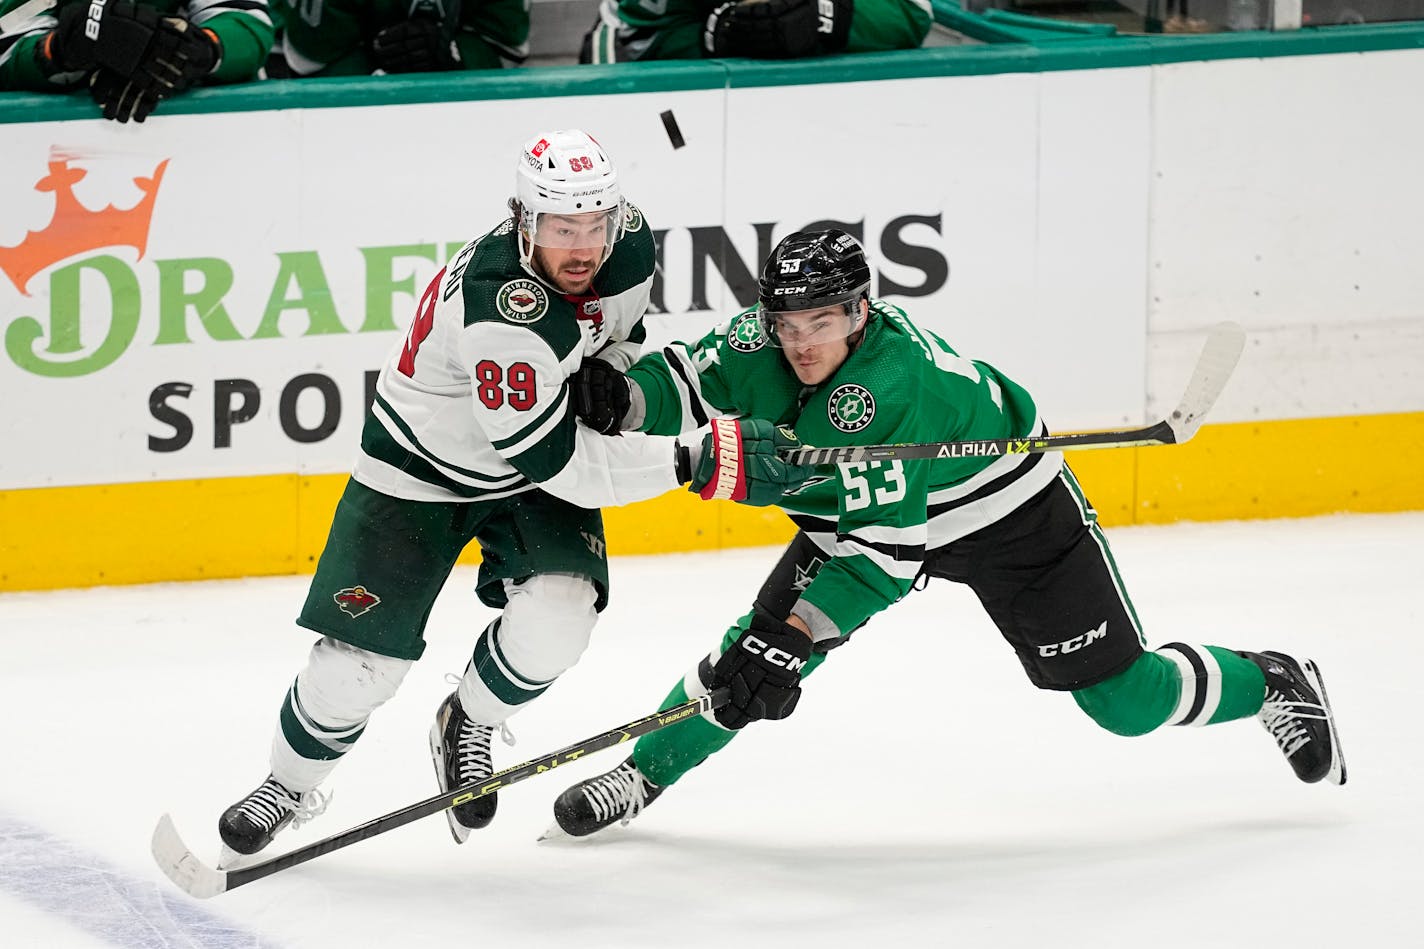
column 730, row 484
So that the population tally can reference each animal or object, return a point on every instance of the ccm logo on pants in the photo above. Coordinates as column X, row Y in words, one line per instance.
column 1076, row 643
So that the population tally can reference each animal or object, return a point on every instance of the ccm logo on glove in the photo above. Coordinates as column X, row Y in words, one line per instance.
column 772, row 654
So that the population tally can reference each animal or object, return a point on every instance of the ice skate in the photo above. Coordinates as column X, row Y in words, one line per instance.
column 616, row 796
column 249, row 825
column 1298, row 716
column 460, row 750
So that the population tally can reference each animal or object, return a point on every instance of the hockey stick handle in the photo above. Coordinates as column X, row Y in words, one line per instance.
column 196, row 879
column 1159, row 434
column 1219, row 355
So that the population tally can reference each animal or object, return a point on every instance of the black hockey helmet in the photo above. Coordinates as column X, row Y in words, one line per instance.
column 810, row 270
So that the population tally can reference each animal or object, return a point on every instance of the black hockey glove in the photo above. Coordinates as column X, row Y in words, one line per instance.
column 164, row 55
column 778, row 29
column 177, row 56
column 600, row 396
column 88, row 35
column 738, row 461
column 763, row 671
column 420, row 44
column 121, row 99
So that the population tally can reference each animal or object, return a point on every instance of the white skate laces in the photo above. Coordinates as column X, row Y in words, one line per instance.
column 266, row 806
column 472, row 750
column 1283, row 719
column 622, row 789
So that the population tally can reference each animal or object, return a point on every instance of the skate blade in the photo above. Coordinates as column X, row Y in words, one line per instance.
column 229, row 859
column 1336, row 774
column 555, row 833
column 458, row 831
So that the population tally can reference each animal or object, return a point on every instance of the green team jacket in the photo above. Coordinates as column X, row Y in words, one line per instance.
column 876, row 520
column 875, row 26
column 243, row 27
column 331, row 37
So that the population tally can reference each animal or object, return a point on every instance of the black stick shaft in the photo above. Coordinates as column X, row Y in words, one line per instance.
column 1159, row 433
column 1217, row 361
column 496, row 781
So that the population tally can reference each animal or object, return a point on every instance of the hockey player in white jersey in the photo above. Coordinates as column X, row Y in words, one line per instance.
column 472, row 437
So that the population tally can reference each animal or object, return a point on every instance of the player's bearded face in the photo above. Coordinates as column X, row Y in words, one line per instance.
column 568, row 248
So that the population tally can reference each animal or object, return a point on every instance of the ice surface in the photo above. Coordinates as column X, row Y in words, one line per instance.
column 923, row 794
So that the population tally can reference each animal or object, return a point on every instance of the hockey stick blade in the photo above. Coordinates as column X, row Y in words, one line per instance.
column 1218, row 358
column 201, row 881
column 179, row 864
column 1217, row 361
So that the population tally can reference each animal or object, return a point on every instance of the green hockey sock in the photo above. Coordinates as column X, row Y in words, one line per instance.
column 669, row 753
column 1217, row 685
column 1176, row 685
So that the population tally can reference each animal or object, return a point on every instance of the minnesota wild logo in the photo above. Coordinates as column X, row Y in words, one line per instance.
column 745, row 335
column 632, row 218
column 851, row 407
column 355, row 601
column 521, row 301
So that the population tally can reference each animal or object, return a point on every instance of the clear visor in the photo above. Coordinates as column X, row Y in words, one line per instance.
column 796, row 328
column 588, row 230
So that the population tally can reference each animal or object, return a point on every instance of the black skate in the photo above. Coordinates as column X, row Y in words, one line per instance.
column 616, row 796
column 461, row 752
column 1298, row 716
column 251, row 823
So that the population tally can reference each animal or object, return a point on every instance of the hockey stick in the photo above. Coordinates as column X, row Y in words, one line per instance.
column 199, row 880
column 1218, row 358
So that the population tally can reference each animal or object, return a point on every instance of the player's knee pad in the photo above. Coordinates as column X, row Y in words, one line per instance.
column 1136, row 700
column 343, row 684
column 546, row 624
column 326, row 709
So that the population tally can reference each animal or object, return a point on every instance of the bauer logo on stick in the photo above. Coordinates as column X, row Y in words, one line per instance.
column 356, row 601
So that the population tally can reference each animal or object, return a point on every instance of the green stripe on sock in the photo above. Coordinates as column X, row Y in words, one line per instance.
column 301, row 740
column 508, row 692
column 524, row 681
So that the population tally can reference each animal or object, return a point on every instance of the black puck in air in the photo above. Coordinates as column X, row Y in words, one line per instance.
column 674, row 133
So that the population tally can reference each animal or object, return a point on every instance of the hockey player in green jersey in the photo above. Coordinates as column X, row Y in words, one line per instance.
column 472, row 438
column 358, row 37
column 843, row 369
column 130, row 55
column 631, row 30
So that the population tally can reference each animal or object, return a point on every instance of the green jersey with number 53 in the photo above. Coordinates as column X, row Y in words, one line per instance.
column 874, row 520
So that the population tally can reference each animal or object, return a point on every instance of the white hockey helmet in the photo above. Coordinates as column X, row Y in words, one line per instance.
column 563, row 174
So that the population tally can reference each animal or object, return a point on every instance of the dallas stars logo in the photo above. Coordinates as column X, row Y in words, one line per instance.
column 746, row 335
column 851, row 407
column 804, row 575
